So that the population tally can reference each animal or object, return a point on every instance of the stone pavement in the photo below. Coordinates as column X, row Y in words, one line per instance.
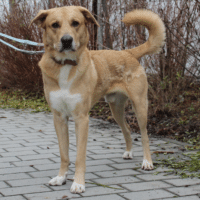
column 29, row 157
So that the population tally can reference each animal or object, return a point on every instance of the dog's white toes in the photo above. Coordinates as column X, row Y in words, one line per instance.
column 77, row 188
column 58, row 180
column 128, row 155
column 146, row 165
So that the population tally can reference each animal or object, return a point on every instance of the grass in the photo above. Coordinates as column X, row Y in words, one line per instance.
column 188, row 168
column 21, row 100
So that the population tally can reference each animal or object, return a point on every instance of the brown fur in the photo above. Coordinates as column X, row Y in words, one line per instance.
column 115, row 74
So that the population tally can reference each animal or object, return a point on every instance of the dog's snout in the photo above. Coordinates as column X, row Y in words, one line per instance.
column 67, row 41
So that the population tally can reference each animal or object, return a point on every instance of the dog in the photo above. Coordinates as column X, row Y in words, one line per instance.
column 75, row 79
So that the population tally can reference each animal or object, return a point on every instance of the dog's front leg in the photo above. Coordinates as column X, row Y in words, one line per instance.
column 61, row 127
column 81, row 126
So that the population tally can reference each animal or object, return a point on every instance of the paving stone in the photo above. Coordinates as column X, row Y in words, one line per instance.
column 98, row 162
column 18, row 153
column 101, row 191
column 146, row 185
column 36, row 157
column 115, row 173
column 116, row 180
column 55, row 195
column 126, row 165
column 104, row 197
column 23, row 144
column 183, row 182
column 12, row 170
column 98, row 152
column 45, row 173
column 155, row 176
column 24, row 190
column 183, row 191
column 106, row 155
column 96, row 168
column 147, row 195
column 6, row 177
column 3, row 185
column 33, row 162
column 5, row 165
column 183, row 198
column 30, row 181
column 13, row 198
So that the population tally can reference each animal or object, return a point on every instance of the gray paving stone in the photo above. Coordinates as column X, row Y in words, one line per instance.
column 24, row 190
column 102, row 191
column 115, row 173
column 102, row 197
column 24, row 139
column 183, row 198
column 147, row 195
column 12, row 170
column 18, row 153
column 183, row 191
column 99, row 168
column 106, row 155
column 103, row 151
column 116, row 180
column 146, row 185
column 126, row 165
column 13, row 198
column 33, row 162
column 46, row 173
column 155, row 176
column 183, row 182
column 11, row 149
column 5, row 165
column 47, row 166
column 36, row 157
column 55, row 195
column 30, row 181
column 6, row 177
column 98, row 162
column 3, row 185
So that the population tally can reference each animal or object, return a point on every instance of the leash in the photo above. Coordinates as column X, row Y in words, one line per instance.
column 24, row 42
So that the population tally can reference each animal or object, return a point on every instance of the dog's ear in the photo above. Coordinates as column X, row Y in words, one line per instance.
column 88, row 16
column 39, row 20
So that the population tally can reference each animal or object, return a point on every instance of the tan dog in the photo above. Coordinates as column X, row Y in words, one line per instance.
column 76, row 78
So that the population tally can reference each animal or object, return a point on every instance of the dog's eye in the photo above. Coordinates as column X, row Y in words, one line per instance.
column 75, row 23
column 55, row 25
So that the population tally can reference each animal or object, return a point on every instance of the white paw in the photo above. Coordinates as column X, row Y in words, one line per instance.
column 77, row 188
column 128, row 155
column 147, row 165
column 58, row 180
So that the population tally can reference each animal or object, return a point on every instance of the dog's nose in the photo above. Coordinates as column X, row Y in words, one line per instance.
column 67, row 41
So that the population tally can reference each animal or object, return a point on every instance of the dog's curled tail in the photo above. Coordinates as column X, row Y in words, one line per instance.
column 156, row 29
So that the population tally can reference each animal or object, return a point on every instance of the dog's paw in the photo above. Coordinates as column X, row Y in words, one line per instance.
column 58, row 180
column 128, row 155
column 146, row 165
column 77, row 188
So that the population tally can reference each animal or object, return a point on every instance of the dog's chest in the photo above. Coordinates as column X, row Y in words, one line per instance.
column 62, row 100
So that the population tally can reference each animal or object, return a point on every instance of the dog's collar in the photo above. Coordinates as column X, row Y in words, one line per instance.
column 65, row 62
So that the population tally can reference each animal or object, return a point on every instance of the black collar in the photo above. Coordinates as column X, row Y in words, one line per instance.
column 65, row 62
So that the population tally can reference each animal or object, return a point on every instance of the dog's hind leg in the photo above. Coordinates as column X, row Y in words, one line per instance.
column 117, row 106
column 138, row 96
column 63, row 140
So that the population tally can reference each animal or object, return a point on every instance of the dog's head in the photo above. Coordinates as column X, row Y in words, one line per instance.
column 65, row 28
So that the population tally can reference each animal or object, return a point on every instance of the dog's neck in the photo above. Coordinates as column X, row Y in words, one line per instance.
column 64, row 62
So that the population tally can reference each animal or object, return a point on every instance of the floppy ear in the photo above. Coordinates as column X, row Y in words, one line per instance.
column 39, row 20
column 88, row 16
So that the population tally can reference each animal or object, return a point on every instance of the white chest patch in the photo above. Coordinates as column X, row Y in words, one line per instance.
column 61, row 100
